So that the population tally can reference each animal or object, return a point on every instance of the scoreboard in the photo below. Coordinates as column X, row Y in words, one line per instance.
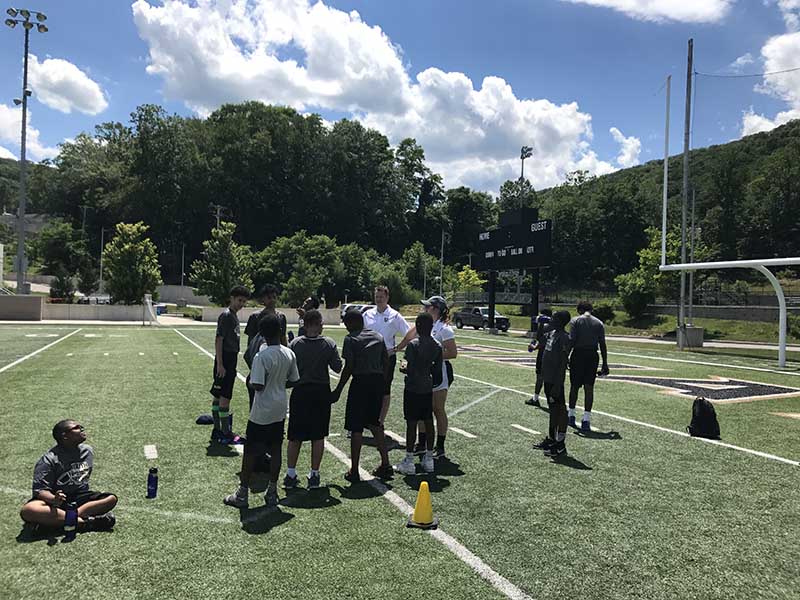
column 524, row 245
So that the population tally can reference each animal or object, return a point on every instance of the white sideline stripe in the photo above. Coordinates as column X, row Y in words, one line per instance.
column 174, row 354
column 150, row 452
column 189, row 516
column 69, row 353
column 659, row 428
column 396, row 436
column 239, row 449
column 499, row 582
column 659, row 358
column 141, row 353
column 525, row 429
column 35, row 352
column 471, row 404
column 105, row 353
column 466, row 434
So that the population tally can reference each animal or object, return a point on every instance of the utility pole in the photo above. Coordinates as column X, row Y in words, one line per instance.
column 690, row 315
column 218, row 210
column 183, row 254
column 525, row 152
column 102, row 246
column 685, row 195
column 441, row 266
column 83, row 207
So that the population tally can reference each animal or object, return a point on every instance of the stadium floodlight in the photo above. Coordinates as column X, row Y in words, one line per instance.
column 17, row 101
column 525, row 152
column 12, row 12
column 42, row 28
column 27, row 25
column 11, row 23
column 41, row 17
column 25, row 14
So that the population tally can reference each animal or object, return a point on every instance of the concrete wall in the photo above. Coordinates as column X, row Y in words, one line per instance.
column 330, row 316
column 43, row 279
column 177, row 294
column 21, row 308
column 93, row 312
column 734, row 313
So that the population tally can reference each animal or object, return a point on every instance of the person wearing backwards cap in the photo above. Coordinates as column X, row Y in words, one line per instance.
column 436, row 306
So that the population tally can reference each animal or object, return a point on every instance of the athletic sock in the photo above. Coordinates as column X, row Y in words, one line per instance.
column 571, row 412
column 440, row 442
column 312, row 472
column 215, row 415
column 587, row 416
column 423, row 438
column 291, row 472
column 225, row 422
column 410, row 456
column 560, row 436
column 536, row 397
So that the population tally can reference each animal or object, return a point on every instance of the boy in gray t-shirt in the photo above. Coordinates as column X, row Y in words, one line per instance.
column 423, row 368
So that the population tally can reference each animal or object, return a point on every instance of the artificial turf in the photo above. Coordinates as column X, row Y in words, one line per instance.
column 633, row 512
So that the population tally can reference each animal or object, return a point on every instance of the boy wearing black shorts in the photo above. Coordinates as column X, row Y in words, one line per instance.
column 310, row 402
column 587, row 333
column 423, row 369
column 543, row 327
column 268, row 296
column 366, row 359
column 226, row 347
column 61, row 490
column 554, row 372
column 274, row 369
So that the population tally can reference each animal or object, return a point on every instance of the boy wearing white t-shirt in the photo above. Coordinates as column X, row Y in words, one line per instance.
column 274, row 369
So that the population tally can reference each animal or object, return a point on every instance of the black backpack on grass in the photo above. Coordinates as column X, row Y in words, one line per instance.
column 704, row 420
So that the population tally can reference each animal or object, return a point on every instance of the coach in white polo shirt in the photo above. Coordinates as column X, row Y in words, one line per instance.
column 389, row 323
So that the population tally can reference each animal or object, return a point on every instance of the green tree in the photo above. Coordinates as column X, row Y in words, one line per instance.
column 469, row 280
column 305, row 280
column 131, row 264
column 224, row 265
column 517, row 193
column 61, row 248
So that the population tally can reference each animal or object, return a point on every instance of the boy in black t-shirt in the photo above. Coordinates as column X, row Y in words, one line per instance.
column 554, row 372
column 226, row 355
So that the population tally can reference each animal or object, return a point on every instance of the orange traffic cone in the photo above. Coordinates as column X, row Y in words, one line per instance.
column 423, row 510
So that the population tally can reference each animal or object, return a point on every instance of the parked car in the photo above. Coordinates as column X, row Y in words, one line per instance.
column 479, row 317
column 362, row 307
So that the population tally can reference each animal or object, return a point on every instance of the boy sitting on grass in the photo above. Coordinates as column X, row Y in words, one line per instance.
column 367, row 360
column 554, row 371
column 61, row 485
column 274, row 369
column 310, row 403
column 423, row 369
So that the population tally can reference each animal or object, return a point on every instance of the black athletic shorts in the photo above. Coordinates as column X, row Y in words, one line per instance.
column 555, row 392
column 81, row 498
column 387, row 385
column 364, row 402
column 583, row 367
column 417, row 407
column 539, row 360
column 309, row 412
column 264, row 435
column 223, row 387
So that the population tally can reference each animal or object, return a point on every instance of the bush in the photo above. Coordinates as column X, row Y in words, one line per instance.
column 635, row 293
column 604, row 312
column 62, row 287
column 793, row 325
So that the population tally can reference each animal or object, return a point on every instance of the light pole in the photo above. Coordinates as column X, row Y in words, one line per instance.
column 525, row 152
column 23, row 17
column 102, row 246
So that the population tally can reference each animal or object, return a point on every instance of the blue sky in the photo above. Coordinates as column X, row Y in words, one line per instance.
column 471, row 80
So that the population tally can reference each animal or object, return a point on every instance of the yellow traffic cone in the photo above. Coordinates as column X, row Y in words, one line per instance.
column 423, row 510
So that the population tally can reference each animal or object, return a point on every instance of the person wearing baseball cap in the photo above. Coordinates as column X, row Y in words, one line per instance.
column 436, row 306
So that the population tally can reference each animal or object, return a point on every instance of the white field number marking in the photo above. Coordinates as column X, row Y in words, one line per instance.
column 150, row 452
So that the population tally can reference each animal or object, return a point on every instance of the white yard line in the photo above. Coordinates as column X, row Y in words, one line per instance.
column 525, row 429
column 499, row 582
column 657, row 427
column 395, row 436
column 473, row 403
column 35, row 352
column 150, row 452
column 466, row 434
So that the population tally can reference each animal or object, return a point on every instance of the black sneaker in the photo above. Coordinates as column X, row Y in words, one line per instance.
column 544, row 444
column 439, row 453
column 419, row 449
column 383, row 472
column 101, row 522
column 352, row 477
column 532, row 402
column 289, row 483
column 556, row 450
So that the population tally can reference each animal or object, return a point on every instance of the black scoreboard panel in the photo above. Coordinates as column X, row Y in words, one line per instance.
column 520, row 246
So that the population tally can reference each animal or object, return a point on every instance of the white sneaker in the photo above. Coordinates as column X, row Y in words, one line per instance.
column 407, row 467
column 427, row 462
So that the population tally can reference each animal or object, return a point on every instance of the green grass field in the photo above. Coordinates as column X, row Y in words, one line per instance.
column 637, row 510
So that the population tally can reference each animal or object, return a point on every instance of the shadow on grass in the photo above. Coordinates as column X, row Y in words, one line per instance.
column 215, row 449
column 391, row 443
column 570, row 461
column 445, row 466
column 435, row 484
column 645, row 322
column 301, row 498
column 256, row 521
column 598, row 435
column 53, row 535
column 358, row 491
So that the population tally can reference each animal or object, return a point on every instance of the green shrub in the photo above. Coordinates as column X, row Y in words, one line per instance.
column 793, row 325
column 635, row 293
column 62, row 287
column 604, row 311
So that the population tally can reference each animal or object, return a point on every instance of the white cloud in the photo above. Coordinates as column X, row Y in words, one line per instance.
column 779, row 54
column 685, row 11
column 314, row 57
column 629, row 148
column 61, row 85
column 6, row 153
column 790, row 9
column 742, row 61
column 10, row 124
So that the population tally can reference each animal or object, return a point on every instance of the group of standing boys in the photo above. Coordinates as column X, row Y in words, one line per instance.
column 369, row 352
column 559, row 351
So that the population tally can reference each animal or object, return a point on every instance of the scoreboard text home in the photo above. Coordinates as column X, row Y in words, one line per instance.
column 521, row 242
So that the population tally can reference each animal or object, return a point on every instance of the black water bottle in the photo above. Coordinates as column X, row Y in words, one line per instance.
column 152, row 482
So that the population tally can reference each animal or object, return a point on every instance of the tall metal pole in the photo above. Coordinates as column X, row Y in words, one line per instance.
column 685, row 196
column 183, row 254
column 102, row 245
column 691, row 259
column 665, row 193
column 424, row 278
column 441, row 266
column 23, row 178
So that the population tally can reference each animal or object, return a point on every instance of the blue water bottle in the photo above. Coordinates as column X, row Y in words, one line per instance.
column 152, row 482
